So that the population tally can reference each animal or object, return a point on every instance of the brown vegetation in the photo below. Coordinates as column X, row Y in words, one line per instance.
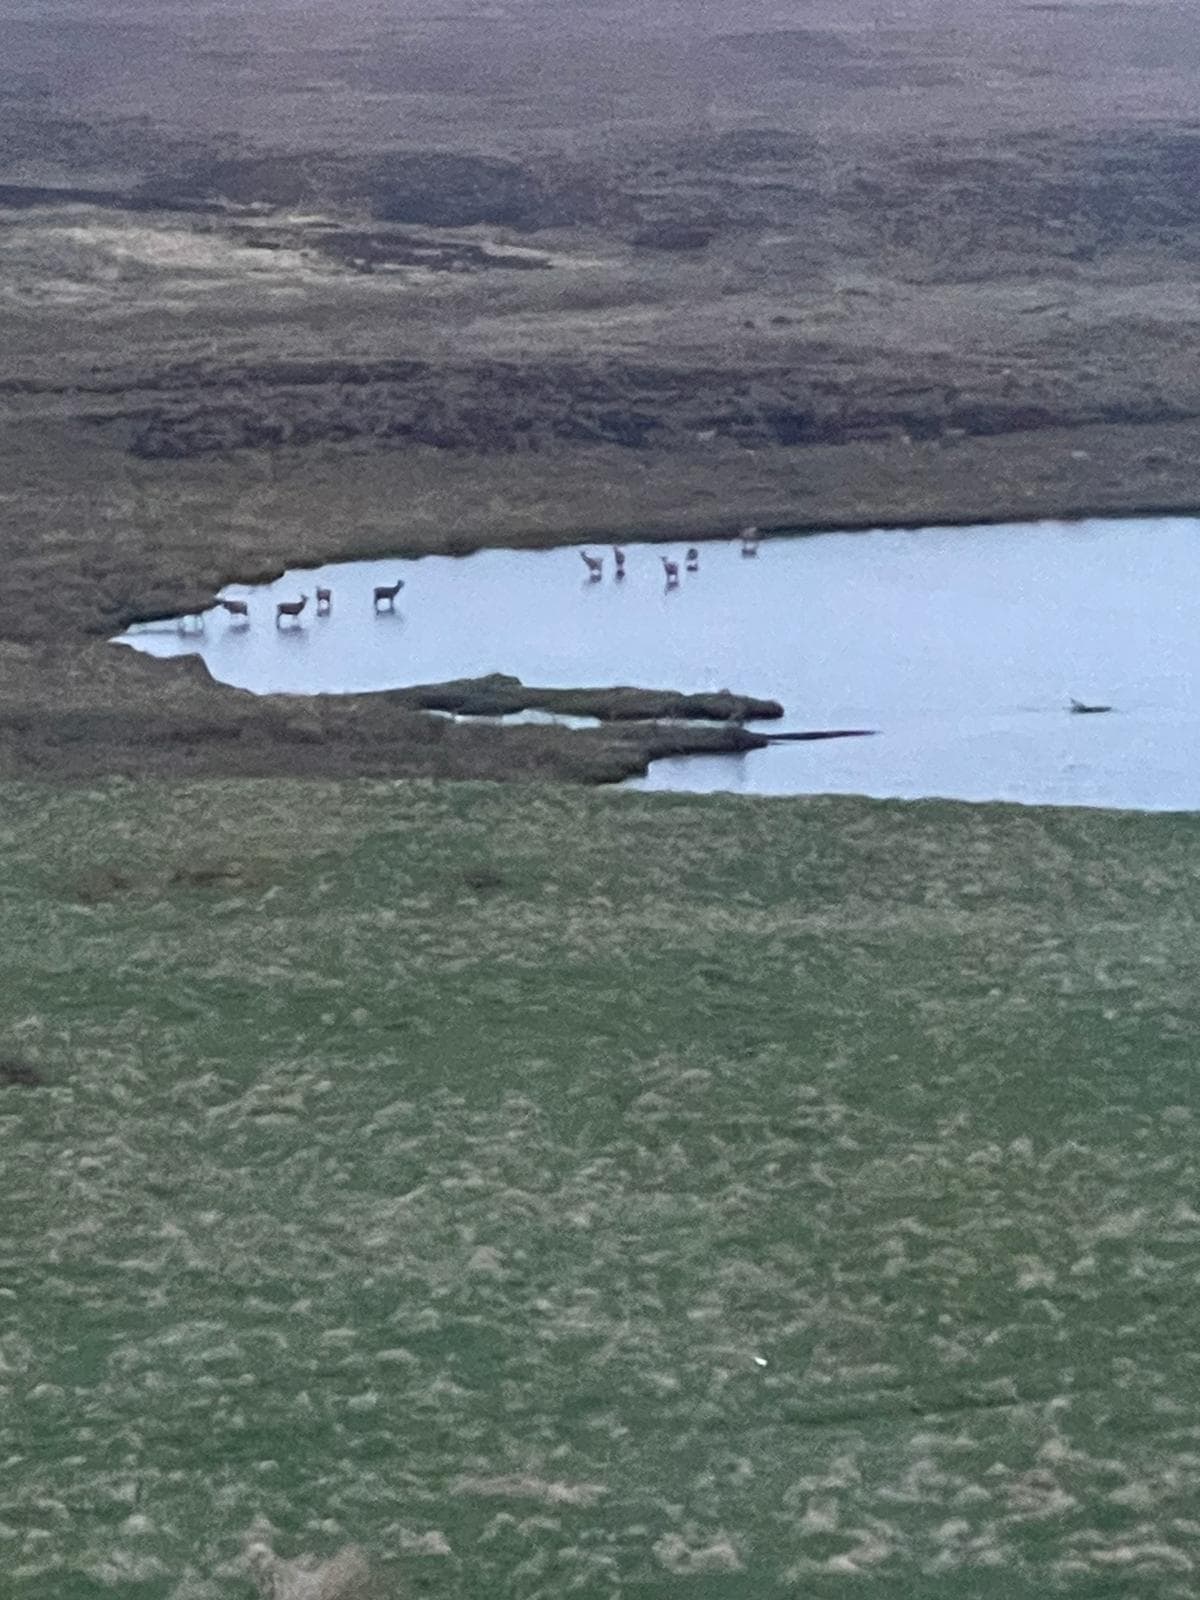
column 289, row 291
column 499, row 695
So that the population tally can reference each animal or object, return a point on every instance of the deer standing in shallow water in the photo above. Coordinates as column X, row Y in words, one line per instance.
column 290, row 608
column 236, row 608
column 749, row 538
column 671, row 568
column 387, row 592
column 618, row 561
column 693, row 559
column 594, row 564
column 324, row 602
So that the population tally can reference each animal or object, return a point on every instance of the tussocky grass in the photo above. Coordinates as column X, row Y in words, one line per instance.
column 579, row 1193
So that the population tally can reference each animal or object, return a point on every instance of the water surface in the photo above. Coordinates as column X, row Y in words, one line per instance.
column 961, row 646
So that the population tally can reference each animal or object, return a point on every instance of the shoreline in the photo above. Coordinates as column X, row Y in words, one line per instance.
column 77, row 708
column 604, row 540
column 327, row 507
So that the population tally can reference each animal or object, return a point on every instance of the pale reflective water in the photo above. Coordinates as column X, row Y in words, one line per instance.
column 961, row 646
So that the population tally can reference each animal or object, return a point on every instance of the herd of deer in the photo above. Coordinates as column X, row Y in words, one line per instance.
column 595, row 564
column 385, row 593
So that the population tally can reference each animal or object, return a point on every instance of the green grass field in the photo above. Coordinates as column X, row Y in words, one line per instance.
column 428, row 1166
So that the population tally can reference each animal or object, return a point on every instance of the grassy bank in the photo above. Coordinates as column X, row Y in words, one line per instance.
column 428, row 1166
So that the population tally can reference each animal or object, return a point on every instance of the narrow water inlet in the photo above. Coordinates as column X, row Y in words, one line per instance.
column 964, row 647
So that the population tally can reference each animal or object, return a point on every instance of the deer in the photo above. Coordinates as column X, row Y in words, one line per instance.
column 236, row 608
column 324, row 602
column 693, row 559
column 671, row 568
column 618, row 561
column 290, row 608
column 387, row 592
column 749, row 537
column 594, row 564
